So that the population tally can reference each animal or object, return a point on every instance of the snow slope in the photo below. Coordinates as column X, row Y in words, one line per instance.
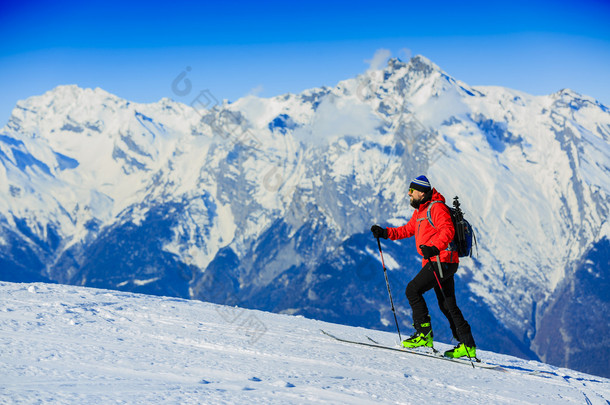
column 66, row 344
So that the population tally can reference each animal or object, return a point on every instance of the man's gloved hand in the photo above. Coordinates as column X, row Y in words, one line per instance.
column 429, row 251
column 379, row 232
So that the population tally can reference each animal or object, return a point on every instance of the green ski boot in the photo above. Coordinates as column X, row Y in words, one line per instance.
column 462, row 350
column 422, row 336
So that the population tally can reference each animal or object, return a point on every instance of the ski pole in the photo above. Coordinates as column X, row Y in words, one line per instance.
column 440, row 269
column 387, row 283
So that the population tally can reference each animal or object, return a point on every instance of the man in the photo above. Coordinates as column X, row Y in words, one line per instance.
column 432, row 239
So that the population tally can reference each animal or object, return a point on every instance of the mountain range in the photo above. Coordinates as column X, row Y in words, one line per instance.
column 267, row 203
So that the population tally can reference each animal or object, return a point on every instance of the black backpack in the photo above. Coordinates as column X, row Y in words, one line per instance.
column 464, row 235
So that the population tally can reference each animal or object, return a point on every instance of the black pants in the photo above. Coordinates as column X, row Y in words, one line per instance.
column 424, row 281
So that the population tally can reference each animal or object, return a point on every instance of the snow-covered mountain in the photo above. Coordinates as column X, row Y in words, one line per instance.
column 266, row 203
column 67, row 345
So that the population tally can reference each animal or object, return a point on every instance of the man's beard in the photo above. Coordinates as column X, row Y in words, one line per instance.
column 416, row 203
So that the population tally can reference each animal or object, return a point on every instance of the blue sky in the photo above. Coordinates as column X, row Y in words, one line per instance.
column 233, row 48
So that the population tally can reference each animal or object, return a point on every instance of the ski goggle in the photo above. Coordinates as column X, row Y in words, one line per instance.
column 411, row 190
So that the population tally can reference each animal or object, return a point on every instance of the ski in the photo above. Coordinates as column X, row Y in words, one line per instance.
column 435, row 355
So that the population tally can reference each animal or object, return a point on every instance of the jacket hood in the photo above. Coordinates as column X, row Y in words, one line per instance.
column 436, row 196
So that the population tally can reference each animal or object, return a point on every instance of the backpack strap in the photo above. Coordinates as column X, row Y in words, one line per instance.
column 451, row 246
column 429, row 213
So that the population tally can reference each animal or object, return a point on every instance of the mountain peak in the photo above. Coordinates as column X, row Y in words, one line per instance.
column 396, row 63
column 64, row 98
column 74, row 91
column 576, row 100
column 421, row 63
column 567, row 93
column 418, row 63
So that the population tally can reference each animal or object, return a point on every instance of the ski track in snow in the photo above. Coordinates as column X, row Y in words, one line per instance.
column 65, row 344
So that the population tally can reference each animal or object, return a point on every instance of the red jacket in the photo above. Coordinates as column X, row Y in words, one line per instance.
column 425, row 233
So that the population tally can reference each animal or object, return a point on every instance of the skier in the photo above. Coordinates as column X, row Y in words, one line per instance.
column 432, row 241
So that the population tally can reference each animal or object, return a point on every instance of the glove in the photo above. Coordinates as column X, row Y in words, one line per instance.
column 379, row 232
column 429, row 251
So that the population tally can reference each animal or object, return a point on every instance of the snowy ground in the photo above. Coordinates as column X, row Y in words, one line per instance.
column 65, row 344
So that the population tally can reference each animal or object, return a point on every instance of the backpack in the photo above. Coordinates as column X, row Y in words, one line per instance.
column 464, row 234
